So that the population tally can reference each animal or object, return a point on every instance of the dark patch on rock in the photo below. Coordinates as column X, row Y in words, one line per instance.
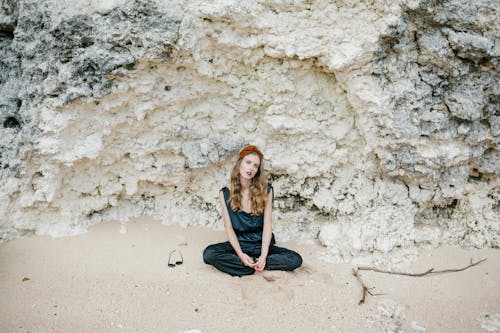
column 8, row 18
column 11, row 122
column 71, row 37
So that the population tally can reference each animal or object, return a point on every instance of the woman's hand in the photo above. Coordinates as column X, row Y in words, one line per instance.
column 260, row 264
column 247, row 261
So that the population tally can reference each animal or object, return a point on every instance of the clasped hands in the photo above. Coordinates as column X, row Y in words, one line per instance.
column 257, row 265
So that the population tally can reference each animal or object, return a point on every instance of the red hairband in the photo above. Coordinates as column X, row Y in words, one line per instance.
column 248, row 150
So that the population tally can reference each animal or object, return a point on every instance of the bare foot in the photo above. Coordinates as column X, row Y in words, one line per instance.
column 272, row 275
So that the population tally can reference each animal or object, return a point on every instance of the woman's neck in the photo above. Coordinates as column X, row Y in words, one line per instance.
column 245, row 183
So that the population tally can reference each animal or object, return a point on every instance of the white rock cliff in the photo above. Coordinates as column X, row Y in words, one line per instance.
column 378, row 119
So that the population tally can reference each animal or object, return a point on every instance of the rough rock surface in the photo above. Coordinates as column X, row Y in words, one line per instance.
column 379, row 120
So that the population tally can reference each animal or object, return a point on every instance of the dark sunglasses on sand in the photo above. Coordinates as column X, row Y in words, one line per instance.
column 178, row 262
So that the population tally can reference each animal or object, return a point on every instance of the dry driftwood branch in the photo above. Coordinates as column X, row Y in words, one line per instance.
column 429, row 271
column 366, row 290
column 472, row 263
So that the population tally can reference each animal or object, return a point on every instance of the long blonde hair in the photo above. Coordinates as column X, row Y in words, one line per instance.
column 257, row 190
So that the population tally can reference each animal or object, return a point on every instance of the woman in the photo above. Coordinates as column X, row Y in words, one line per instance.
column 246, row 211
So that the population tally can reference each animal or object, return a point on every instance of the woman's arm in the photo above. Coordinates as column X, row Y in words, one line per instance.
column 267, row 232
column 231, row 235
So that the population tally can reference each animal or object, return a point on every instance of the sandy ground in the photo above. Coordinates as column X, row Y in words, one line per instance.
column 107, row 281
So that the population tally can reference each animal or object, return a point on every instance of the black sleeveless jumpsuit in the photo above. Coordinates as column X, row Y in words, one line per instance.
column 248, row 229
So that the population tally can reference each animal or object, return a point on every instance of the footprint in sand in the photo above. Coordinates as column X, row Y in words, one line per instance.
column 306, row 273
column 255, row 288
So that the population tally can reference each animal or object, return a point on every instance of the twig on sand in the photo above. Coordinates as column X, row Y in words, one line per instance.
column 429, row 271
column 366, row 290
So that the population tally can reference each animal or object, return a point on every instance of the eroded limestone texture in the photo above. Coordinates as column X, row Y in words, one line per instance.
column 378, row 120
column 439, row 64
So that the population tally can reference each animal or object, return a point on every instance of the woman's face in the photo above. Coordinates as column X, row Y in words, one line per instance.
column 249, row 166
